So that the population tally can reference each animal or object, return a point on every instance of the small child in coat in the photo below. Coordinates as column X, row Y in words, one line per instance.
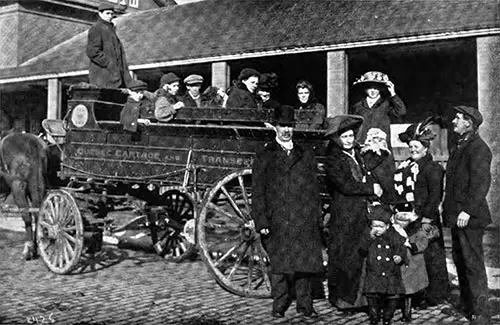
column 385, row 252
column 414, row 273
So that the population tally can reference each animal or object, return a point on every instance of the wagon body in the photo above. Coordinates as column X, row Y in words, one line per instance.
column 189, row 182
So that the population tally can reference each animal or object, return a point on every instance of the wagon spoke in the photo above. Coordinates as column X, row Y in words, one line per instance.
column 250, row 269
column 69, row 237
column 237, row 263
column 70, row 228
column 228, row 253
column 224, row 212
column 44, row 224
column 245, row 195
column 52, row 213
column 68, row 247
column 233, row 203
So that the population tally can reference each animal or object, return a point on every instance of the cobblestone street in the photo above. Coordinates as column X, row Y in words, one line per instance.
column 120, row 286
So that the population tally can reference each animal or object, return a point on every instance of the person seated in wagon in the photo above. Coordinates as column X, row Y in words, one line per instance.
column 167, row 102
column 211, row 97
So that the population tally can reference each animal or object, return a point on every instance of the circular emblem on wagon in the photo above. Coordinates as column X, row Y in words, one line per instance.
column 79, row 116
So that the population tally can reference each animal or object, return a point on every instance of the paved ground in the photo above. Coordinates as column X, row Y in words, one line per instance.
column 135, row 287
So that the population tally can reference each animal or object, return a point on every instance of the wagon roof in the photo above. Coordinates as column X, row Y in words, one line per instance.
column 215, row 30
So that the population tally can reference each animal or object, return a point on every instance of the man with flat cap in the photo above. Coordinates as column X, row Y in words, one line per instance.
column 287, row 211
column 167, row 103
column 193, row 97
column 468, row 179
column 108, row 65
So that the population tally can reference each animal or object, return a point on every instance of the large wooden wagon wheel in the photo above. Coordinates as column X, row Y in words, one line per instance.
column 173, row 231
column 60, row 232
column 227, row 238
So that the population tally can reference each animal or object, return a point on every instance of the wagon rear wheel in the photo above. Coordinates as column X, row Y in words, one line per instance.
column 227, row 238
column 173, row 231
column 60, row 232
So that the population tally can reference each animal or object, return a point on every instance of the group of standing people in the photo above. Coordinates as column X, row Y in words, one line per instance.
column 369, row 245
column 385, row 243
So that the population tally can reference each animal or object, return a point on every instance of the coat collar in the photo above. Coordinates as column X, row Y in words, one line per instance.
column 295, row 155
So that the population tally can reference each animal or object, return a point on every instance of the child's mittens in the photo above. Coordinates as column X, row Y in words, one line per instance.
column 397, row 259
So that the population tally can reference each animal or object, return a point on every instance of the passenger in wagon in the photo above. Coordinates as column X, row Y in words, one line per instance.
column 243, row 94
column 287, row 212
column 381, row 106
column 307, row 100
column 211, row 97
column 167, row 103
column 267, row 83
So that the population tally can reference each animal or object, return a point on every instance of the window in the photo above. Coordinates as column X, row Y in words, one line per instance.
column 134, row 3
column 123, row 2
column 114, row 1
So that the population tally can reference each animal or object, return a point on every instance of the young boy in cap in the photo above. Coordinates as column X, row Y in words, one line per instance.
column 167, row 103
column 385, row 251
column 193, row 97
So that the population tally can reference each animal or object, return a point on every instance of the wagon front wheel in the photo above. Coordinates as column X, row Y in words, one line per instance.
column 60, row 232
column 227, row 238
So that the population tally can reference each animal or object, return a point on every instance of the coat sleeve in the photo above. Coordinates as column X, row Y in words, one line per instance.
column 364, row 243
column 95, row 48
column 480, row 178
column 164, row 110
column 313, row 188
column 397, row 107
column 339, row 176
column 434, row 179
column 259, row 184
column 234, row 100
column 319, row 117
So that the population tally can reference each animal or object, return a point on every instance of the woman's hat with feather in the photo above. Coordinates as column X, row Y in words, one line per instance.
column 419, row 132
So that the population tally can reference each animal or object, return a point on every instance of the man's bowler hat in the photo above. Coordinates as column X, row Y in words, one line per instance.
column 284, row 115
column 470, row 112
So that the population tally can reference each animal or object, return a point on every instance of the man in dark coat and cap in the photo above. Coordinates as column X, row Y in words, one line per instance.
column 468, row 179
column 108, row 65
column 287, row 212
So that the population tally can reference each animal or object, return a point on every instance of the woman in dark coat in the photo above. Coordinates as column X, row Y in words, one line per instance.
column 307, row 100
column 243, row 94
column 349, row 191
column 381, row 106
column 427, row 180
column 287, row 211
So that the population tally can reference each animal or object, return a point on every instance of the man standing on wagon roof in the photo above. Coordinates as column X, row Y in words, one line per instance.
column 108, row 65
column 286, row 208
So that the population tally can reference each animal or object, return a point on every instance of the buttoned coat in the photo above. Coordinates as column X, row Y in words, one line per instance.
column 383, row 275
column 348, row 218
column 286, row 201
column 468, row 179
column 379, row 115
column 108, row 66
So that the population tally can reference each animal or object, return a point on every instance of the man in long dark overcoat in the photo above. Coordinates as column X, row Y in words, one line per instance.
column 108, row 65
column 468, row 179
column 286, row 209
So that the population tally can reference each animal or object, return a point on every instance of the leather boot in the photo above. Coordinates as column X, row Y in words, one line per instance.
column 406, row 310
column 374, row 310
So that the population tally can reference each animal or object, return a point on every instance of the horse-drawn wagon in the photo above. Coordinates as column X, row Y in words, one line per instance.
column 188, row 181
